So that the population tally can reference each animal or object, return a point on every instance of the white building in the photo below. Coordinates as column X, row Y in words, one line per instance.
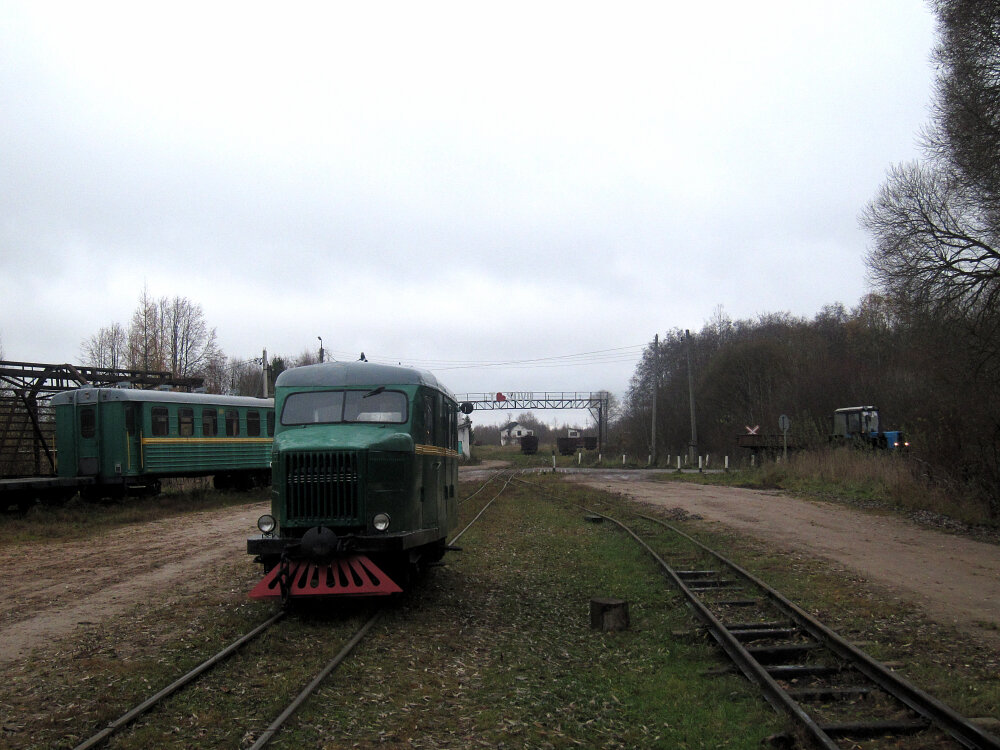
column 513, row 433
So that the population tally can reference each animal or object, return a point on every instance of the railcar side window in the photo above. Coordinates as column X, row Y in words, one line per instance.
column 161, row 421
column 442, row 421
column 253, row 423
column 428, row 420
column 270, row 424
column 88, row 422
column 209, row 423
column 130, row 419
column 232, row 423
column 185, row 422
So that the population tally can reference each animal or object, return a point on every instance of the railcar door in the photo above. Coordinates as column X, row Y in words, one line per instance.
column 133, row 438
column 430, row 491
column 88, row 430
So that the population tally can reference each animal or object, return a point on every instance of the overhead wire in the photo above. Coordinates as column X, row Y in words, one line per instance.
column 621, row 354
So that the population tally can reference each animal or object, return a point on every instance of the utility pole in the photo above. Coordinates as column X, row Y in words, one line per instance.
column 693, row 445
column 656, row 388
column 320, row 348
column 265, row 371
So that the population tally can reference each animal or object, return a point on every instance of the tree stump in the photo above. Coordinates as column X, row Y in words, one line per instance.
column 609, row 614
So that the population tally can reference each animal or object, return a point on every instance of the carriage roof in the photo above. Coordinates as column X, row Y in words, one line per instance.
column 90, row 395
column 358, row 374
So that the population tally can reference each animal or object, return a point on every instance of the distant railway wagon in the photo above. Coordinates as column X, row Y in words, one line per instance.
column 529, row 445
column 365, row 462
column 127, row 440
column 574, row 442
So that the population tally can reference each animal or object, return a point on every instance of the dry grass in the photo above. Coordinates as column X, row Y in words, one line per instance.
column 876, row 478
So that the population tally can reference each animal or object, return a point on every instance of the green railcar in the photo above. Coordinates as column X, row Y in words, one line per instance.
column 365, row 462
column 128, row 440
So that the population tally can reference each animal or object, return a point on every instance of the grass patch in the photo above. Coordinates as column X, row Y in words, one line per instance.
column 497, row 651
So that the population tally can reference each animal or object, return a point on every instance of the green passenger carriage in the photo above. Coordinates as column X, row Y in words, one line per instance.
column 128, row 440
column 365, row 472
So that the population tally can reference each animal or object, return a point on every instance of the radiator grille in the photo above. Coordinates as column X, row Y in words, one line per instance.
column 324, row 488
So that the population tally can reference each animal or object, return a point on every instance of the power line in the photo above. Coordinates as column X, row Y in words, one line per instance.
column 599, row 356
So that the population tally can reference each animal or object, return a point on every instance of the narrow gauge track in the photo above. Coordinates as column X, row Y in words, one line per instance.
column 832, row 690
column 268, row 734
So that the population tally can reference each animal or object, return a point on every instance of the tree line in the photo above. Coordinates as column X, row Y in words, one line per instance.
column 924, row 345
column 172, row 335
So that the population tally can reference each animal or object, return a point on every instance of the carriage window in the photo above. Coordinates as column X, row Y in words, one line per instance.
column 332, row 407
column 375, row 406
column 313, row 407
column 270, row 424
column 209, row 423
column 88, row 422
column 130, row 419
column 185, row 422
column 232, row 423
column 161, row 421
column 253, row 423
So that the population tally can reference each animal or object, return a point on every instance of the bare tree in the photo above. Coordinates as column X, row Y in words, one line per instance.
column 163, row 335
column 216, row 374
column 145, row 343
column 966, row 109
column 246, row 377
column 107, row 348
column 933, row 243
column 188, row 340
column 308, row 357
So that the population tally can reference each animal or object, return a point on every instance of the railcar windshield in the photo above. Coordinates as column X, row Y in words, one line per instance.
column 333, row 407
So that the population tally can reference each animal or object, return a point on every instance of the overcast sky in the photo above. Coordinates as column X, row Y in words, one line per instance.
column 446, row 184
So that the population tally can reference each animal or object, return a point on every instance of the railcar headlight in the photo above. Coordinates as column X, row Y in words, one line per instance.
column 266, row 523
column 381, row 522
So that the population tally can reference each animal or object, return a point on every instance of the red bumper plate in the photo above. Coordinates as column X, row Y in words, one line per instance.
column 345, row 576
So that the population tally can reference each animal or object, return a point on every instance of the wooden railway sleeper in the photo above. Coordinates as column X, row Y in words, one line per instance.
column 712, row 584
column 760, row 634
column 855, row 729
column 817, row 694
column 794, row 671
column 735, row 626
column 770, row 654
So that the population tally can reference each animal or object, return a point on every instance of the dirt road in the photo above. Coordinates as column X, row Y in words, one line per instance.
column 953, row 579
column 50, row 589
